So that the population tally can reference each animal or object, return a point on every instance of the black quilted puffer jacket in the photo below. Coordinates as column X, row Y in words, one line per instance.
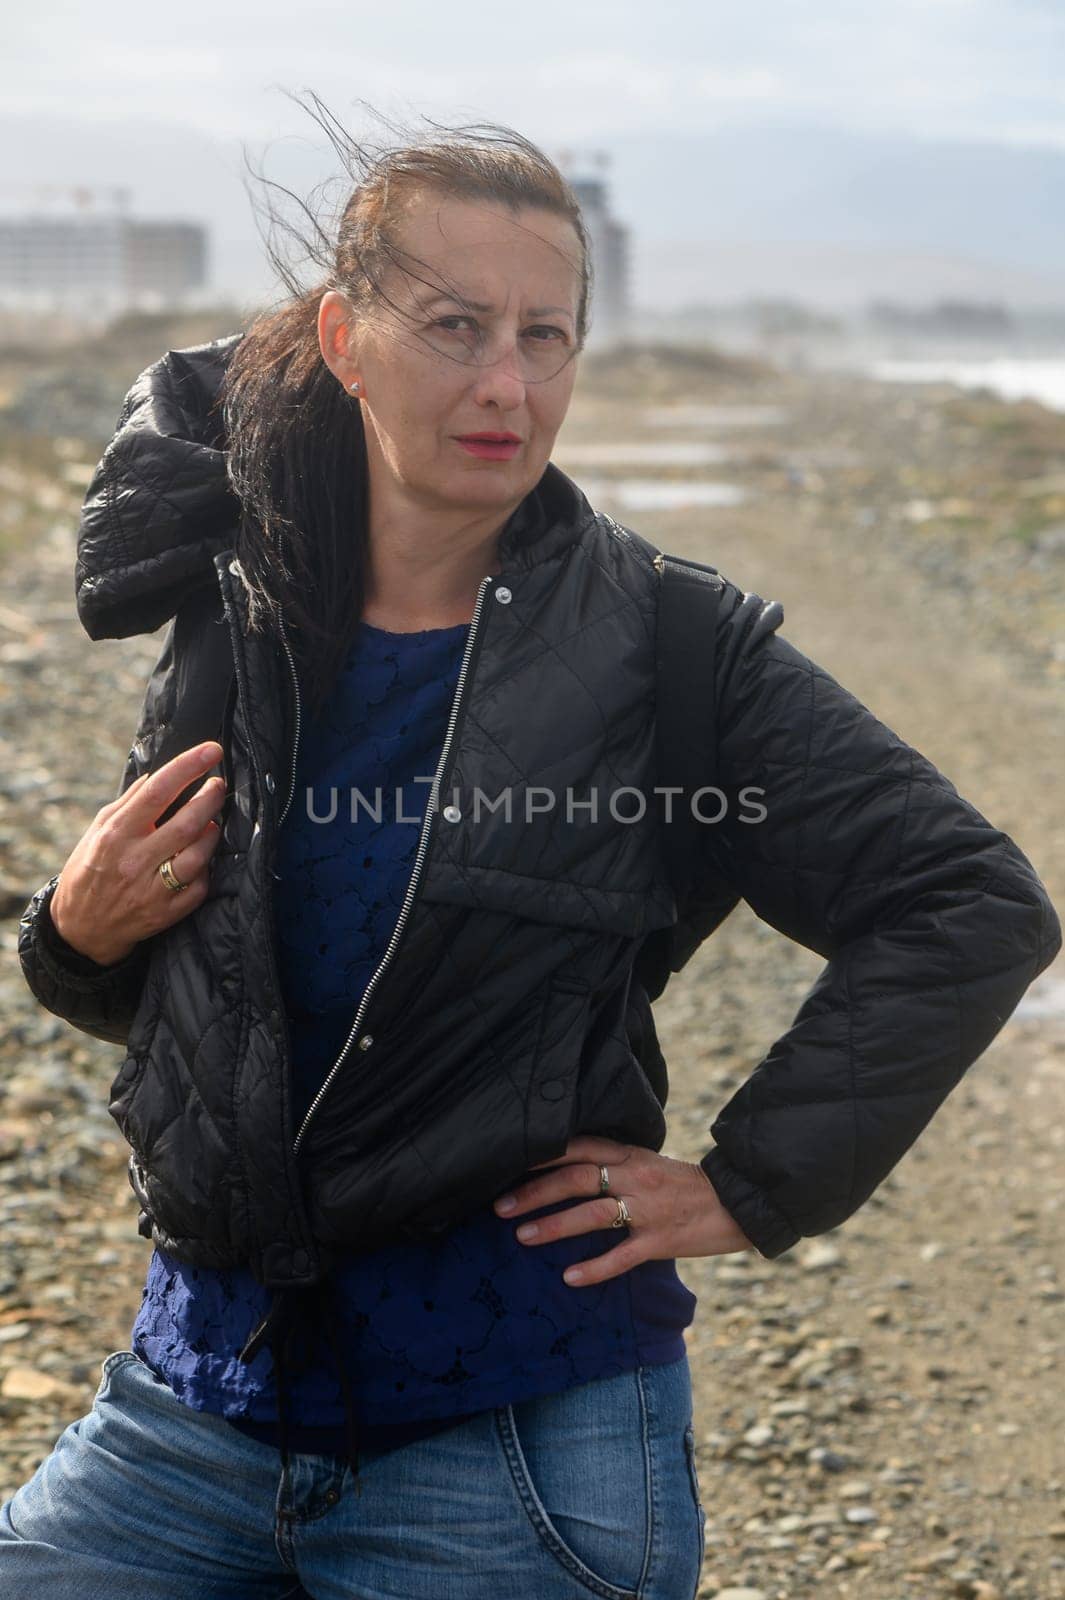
column 502, row 1018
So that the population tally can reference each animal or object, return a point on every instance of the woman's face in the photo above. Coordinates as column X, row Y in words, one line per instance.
column 435, row 369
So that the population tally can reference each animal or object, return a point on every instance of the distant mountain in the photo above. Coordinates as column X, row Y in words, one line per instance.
column 838, row 218
column 676, row 274
column 817, row 186
column 825, row 215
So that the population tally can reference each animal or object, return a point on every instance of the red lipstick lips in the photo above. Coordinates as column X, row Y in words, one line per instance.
column 491, row 446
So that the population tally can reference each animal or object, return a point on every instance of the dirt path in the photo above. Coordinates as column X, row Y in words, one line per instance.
column 881, row 1412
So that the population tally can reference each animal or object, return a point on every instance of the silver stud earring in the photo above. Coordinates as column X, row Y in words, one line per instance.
column 355, row 387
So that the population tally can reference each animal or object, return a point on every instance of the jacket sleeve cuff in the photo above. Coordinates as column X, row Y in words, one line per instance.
column 768, row 1229
column 58, row 959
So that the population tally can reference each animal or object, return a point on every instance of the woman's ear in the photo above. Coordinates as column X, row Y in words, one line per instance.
column 337, row 338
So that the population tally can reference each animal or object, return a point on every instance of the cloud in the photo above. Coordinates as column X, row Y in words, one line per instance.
column 933, row 67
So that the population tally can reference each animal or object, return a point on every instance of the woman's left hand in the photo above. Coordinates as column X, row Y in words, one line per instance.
column 673, row 1207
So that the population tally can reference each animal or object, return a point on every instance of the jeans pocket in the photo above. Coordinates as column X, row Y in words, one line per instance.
column 693, row 1473
column 579, row 1466
column 115, row 1359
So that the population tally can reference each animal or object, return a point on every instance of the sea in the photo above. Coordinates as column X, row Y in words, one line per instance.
column 1013, row 377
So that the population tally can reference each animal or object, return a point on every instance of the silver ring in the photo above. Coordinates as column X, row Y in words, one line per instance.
column 604, row 1181
column 622, row 1217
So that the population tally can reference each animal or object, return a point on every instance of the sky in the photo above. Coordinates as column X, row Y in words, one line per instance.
column 827, row 123
column 982, row 69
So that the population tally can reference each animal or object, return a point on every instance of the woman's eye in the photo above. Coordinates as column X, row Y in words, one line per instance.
column 449, row 324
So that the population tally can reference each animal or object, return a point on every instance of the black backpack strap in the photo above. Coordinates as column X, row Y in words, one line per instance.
column 686, row 738
column 685, row 756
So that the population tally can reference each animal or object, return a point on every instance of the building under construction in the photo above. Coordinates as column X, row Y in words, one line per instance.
column 77, row 258
column 62, row 251
column 609, row 240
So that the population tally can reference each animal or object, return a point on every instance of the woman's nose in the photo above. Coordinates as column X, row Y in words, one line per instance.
column 501, row 382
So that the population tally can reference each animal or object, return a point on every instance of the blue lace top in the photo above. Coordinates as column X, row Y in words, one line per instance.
column 432, row 1332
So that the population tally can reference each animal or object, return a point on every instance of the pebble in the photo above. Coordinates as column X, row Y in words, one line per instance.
column 808, row 1370
column 819, row 1255
column 26, row 1383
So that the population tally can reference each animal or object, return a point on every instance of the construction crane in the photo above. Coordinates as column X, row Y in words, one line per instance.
column 569, row 159
column 84, row 196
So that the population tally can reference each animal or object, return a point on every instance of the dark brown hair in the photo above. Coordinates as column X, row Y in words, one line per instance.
column 297, row 450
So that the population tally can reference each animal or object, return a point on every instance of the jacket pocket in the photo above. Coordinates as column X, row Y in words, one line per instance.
column 550, row 1108
column 643, row 1039
column 123, row 1088
column 474, row 1138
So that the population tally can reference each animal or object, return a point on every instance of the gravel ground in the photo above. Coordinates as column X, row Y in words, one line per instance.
column 880, row 1412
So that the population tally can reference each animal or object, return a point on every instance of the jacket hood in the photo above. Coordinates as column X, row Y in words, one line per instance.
column 159, row 506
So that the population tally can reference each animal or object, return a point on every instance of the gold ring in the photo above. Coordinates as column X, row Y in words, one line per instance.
column 168, row 875
column 623, row 1214
column 604, row 1181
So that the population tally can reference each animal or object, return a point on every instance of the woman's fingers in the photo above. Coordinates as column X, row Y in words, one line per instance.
column 598, row 1213
column 672, row 1208
column 562, row 1183
column 569, row 1174
column 145, row 801
column 110, row 895
column 189, row 822
column 630, row 1253
column 589, row 1147
column 190, row 860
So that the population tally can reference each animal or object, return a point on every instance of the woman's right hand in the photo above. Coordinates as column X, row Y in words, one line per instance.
column 110, row 895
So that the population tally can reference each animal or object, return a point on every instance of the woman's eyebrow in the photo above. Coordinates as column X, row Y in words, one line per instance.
column 474, row 305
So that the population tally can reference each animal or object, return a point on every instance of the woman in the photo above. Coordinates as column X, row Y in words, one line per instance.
column 369, row 1037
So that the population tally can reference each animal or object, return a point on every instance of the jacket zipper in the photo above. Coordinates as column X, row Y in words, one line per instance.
column 298, row 721
column 253, row 752
column 423, row 841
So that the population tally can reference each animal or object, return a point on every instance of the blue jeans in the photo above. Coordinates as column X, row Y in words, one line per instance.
column 591, row 1491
